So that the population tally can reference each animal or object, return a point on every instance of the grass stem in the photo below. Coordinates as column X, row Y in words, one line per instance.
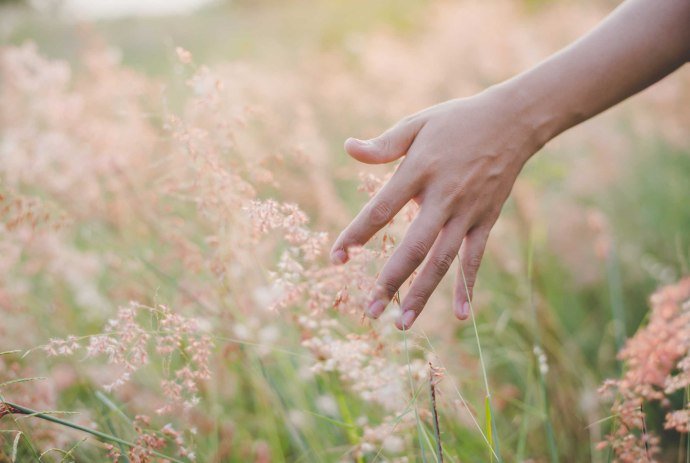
column 11, row 408
column 434, row 413
column 490, row 424
column 550, row 435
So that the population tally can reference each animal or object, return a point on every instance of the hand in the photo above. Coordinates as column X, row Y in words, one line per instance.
column 461, row 159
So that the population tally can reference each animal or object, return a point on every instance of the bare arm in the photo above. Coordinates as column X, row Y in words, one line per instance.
column 461, row 157
column 641, row 42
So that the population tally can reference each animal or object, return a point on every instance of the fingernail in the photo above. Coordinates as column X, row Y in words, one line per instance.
column 465, row 310
column 408, row 318
column 338, row 256
column 363, row 142
column 376, row 308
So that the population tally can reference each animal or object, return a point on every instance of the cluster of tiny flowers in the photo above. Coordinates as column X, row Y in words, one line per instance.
column 211, row 172
column 362, row 361
column 105, row 194
column 357, row 361
column 657, row 361
column 385, row 436
column 18, row 211
column 270, row 215
column 65, row 346
column 127, row 346
column 148, row 442
column 124, row 342
column 541, row 359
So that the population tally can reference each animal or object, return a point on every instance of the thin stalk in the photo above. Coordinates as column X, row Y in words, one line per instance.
column 108, row 406
column 522, row 439
column 266, row 396
column 491, row 426
column 430, row 444
column 328, row 419
column 65, row 453
column 15, row 446
column 112, row 406
column 72, row 449
column 20, row 428
column 20, row 380
column 162, row 332
column 351, row 428
column 687, row 435
column 398, row 419
column 464, row 402
column 434, row 413
column 12, row 408
column 645, row 436
column 616, row 296
column 8, row 352
column 476, row 333
column 682, row 258
column 550, row 435
column 412, row 389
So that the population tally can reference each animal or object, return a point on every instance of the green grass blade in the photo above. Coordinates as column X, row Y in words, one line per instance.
column 101, row 435
column 412, row 389
column 489, row 425
column 553, row 449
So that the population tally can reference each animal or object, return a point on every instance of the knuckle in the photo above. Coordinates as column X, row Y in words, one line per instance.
column 441, row 264
column 451, row 194
column 416, row 251
column 470, row 280
column 415, row 301
column 492, row 215
column 454, row 191
column 473, row 263
column 379, row 213
column 388, row 287
column 471, row 266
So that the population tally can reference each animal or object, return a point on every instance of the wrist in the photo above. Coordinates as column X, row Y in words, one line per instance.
column 537, row 113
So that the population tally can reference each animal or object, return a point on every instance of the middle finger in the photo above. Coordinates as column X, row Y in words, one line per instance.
column 406, row 258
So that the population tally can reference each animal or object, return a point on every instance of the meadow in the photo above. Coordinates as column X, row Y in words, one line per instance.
column 169, row 190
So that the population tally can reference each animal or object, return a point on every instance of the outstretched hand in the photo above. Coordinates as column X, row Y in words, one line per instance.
column 461, row 159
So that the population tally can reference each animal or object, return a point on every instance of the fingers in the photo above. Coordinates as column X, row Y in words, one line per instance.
column 376, row 214
column 406, row 258
column 387, row 147
column 440, row 259
column 471, row 257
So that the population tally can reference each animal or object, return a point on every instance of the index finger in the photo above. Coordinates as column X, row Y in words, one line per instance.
column 378, row 212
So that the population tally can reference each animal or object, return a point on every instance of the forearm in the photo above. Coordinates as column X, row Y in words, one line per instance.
column 461, row 157
column 638, row 44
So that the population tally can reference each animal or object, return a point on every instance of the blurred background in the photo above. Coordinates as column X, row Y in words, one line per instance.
column 187, row 155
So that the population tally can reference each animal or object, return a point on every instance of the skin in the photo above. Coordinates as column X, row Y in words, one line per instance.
column 461, row 157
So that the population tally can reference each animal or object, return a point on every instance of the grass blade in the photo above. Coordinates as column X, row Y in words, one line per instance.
column 540, row 358
column 489, row 425
column 490, row 428
column 11, row 408
column 15, row 446
column 434, row 413
column 412, row 388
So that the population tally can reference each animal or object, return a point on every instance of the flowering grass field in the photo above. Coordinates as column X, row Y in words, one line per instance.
column 166, row 210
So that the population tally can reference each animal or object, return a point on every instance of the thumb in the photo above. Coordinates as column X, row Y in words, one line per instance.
column 387, row 147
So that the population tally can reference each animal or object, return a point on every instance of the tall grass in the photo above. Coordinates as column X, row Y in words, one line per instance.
column 205, row 195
